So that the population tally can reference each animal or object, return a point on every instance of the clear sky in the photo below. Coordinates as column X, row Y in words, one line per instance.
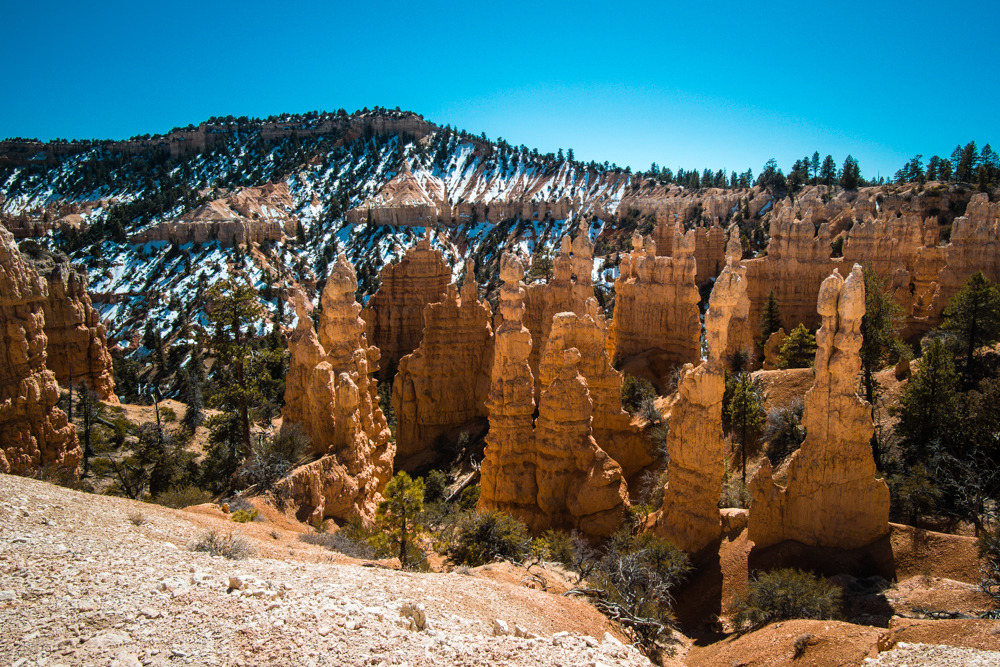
column 692, row 84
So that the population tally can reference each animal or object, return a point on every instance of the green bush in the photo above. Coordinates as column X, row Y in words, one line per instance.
column 482, row 538
column 784, row 595
column 271, row 458
column 798, row 350
column 245, row 516
column 636, row 391
column 435, row 486
column 555, row 546
column 228, row 545
column 989, row 553
column 181, row 497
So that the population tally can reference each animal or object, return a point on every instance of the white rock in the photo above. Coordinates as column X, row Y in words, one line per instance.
column 610, row 639
column 378, row 612
column 7, row 596
column 149, row 612
column 109, row 640
column 324, row 630
column 500, row 628
column 559, row 637
column 590, row 641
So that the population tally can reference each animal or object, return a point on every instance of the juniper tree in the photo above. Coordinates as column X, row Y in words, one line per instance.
column 397, row 514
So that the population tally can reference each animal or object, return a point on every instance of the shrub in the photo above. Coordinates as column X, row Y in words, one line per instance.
column 136, row 517
column 180, row 497
column 635, row 391
column 988, row 545
column 228, row 545
column 482, row 538
column 271, row 458
column 634, row 580
column 435, row 485
column 555, row 546
column 341, row 543
column 245, row 516
column 469, row 498
column 784, row 595
column 783, row 431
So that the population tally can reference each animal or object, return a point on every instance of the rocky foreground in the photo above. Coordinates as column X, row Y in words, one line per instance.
column 82, row 584
column 95, row 580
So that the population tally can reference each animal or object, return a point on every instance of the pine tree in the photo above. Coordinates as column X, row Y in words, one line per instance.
column 770, row 319
column 798, row 350
column 814, row 167
column 397, row 515
column 828, row 172
column 973, row 317
column 850, row 175
column 235, row 310
column 746, row 414
column 880, row 343
column 929, row 403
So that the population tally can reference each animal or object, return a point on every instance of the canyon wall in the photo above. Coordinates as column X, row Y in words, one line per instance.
column 329, row 393
column 690, row 515
column 394, row 316
column 33, row 432
column 832, row 498
column 443, row 384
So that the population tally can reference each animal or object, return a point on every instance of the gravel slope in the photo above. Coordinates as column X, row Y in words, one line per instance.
column 80, row 584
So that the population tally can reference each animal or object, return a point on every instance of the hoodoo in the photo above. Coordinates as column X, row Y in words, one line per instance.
column 33, row 432
column 394, row 316
column 329, row 392
column 832, row 498
column 690, row 515
column 443, row 384
column 551, row 474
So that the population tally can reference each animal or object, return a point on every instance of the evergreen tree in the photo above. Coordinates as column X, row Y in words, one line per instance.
column 880, row 343
column 814, row 167
column 828, row 172
column 929, row 404
column 397, row 515
column 967, row 162
column 798, row 350
column 850, row 175
column 235, row 310
column 770, row 319
column 746, row 414
column 973, row 317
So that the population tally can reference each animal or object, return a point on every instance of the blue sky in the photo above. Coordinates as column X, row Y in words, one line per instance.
column 693, row 84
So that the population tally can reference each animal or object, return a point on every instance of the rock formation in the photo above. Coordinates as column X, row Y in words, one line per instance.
column 832, row 498
column 443, row 384
column 77, row 349
column 613, row 432
column 555, row 475
column 33, row 432
column 330, row 394
column 771, row 349
column 709, row 246
column 656, row 307
column 690, row 513
column 394, row 316
column 568, row 291
column 251, row 215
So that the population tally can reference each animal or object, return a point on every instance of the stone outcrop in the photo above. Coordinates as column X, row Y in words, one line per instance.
column 656, row 307
column 690, row 513
column 33, row 432
column 251, row 215
column 568, row 291
column 329, row 393
column 612, row 428
column 77, row 349
column 443, row 384
column 394, row 316
column 709, row 246
column 771, row 349
column 832, row 498
column 553, row 474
